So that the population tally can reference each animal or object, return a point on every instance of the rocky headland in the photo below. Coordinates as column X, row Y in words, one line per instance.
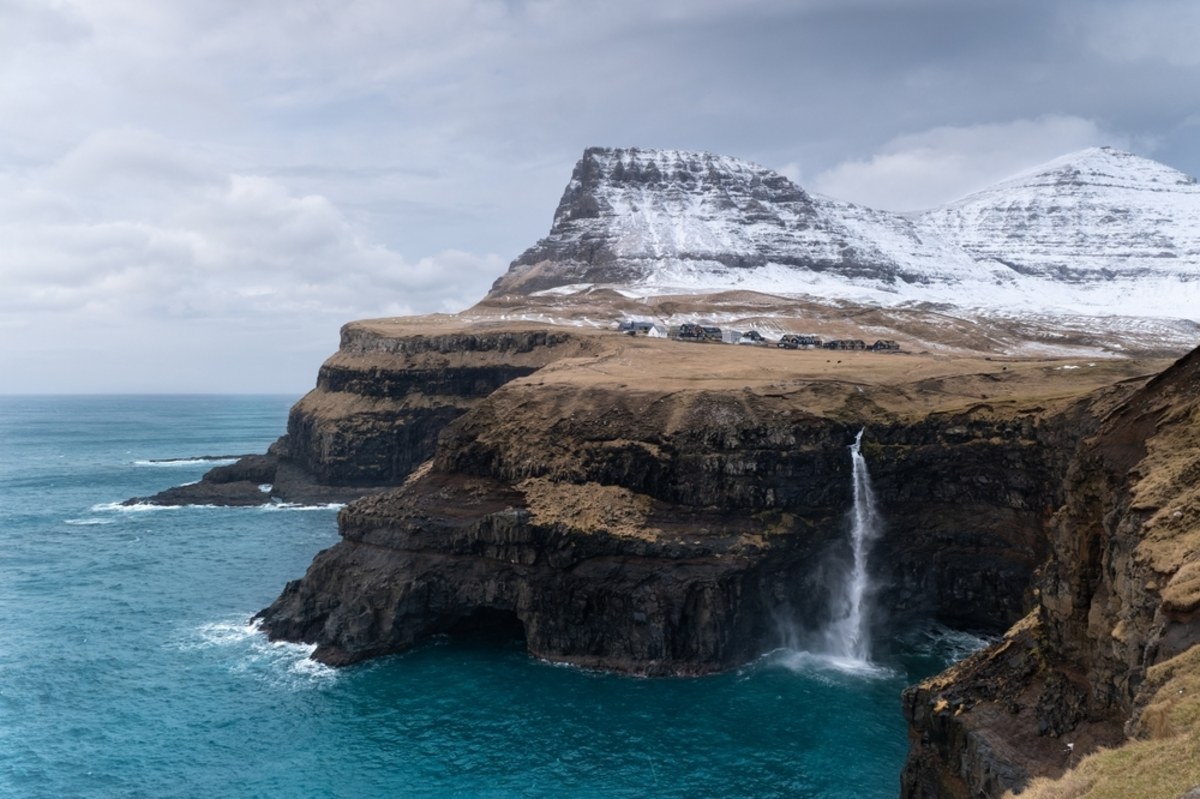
column 661, row 507
column 655, row 506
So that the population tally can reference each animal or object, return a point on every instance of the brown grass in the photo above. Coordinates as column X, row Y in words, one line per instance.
column 1163, row 764
column 590, row 507
column 1169, row 489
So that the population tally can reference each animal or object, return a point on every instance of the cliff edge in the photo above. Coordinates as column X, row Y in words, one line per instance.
column 656, row 506
column 1095, row 691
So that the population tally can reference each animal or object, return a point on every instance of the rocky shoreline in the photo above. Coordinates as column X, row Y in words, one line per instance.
column 650, row 508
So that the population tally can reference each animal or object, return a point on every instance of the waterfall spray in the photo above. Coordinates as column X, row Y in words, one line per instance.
column 848, row 635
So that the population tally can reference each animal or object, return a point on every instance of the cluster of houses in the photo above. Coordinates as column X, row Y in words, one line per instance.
column 791, row 341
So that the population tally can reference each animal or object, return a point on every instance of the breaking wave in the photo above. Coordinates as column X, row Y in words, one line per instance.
column 139, row 507
column 173, row 462
column 278, row 662
column 940, row 641
column 299, row 506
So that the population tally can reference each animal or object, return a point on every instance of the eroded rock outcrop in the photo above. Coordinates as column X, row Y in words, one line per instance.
column 382, row 400
column 666, row 526
column 378, row 407
column 1118, row 603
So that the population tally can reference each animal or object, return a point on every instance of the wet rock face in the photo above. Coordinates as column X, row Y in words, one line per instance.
column 411, row 565
column 968, row 497
column 376, row 447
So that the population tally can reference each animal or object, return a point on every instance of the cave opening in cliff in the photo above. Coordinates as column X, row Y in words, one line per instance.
column 488, row 625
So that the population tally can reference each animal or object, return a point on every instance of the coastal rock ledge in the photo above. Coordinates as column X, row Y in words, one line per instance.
column 662, row 508
column 677, row 524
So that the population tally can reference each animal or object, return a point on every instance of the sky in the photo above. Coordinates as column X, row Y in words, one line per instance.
column 196, row 195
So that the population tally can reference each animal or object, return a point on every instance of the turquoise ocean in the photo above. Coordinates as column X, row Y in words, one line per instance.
column 128, row 667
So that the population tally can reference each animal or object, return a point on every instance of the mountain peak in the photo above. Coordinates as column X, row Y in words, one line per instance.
column 1096, row 166
column 626, row 210
column 604, row 174
column 1096, row 231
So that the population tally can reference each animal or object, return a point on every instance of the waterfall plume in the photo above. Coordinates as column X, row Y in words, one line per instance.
column 848, row 632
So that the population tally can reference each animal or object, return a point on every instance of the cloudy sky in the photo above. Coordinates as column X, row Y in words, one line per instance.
column 195, row 195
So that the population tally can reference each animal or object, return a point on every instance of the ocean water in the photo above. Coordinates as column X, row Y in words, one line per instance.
column 128, row 668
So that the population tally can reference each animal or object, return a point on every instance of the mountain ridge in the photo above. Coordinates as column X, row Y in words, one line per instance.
column 1098, row 231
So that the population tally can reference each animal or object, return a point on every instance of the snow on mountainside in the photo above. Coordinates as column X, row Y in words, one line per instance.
column 1097, row 232
column 1089, row 216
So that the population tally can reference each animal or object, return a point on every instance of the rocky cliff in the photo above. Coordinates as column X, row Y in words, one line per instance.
column 659, row 507
column 382, row 400
column 1107, row 657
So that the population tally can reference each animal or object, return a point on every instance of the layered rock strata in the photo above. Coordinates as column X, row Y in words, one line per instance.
column 378, row 407
column 684, row 523
column 1117, row 619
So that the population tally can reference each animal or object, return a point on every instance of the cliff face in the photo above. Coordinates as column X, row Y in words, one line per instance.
column 1118, row 603
column 650, row 548
column 382, row 400
column 673, row 524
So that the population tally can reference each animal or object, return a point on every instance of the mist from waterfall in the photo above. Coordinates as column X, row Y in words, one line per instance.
column 848, row 633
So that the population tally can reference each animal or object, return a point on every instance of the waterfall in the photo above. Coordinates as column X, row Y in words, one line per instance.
column 848, row 635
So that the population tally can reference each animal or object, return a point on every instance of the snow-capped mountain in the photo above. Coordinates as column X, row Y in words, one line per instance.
column 1087, row 217
column 1095, row 232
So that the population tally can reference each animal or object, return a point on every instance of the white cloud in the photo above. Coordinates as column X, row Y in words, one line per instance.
column 287, row 167
column 922, row 170
column 130, row 221
column 129, row 233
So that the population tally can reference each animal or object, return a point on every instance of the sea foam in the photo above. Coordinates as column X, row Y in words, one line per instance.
column 174, row 462
column 820, row 665
column 281, row 663
column 277, row 506
column 139, row 507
